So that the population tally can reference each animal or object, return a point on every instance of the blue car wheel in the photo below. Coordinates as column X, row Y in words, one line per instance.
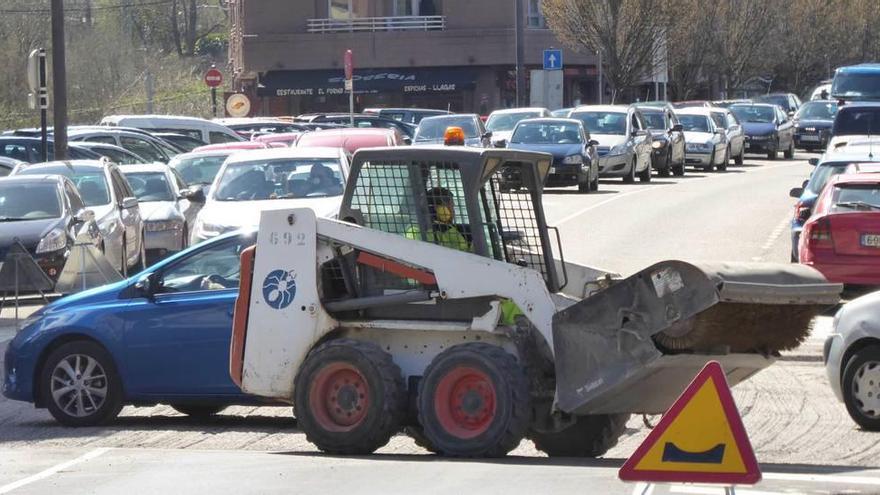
column 80, row 386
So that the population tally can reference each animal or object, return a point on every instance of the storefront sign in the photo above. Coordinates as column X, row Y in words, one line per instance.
column 367, row 81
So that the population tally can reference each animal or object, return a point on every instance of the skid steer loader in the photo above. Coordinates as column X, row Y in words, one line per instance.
column 374, row 323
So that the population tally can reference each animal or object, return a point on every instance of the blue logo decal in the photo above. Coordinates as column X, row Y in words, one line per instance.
column 279, row 288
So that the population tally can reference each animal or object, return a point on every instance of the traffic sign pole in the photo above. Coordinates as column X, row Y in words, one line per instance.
column 349, row 82
column 44, row 106
column 213, row 78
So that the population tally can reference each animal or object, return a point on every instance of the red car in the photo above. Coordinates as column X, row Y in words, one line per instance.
column 285, row 138
column 352, row 139
column 241, row 145
column 842, row 238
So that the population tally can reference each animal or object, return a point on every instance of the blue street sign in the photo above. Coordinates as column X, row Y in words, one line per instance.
column 552, row 59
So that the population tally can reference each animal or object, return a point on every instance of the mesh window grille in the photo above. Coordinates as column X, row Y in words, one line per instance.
column 514, row 214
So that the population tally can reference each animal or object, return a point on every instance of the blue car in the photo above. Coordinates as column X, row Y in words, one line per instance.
column 828, row 166
column 574, row 154
column 161, row 336
column 767, row 127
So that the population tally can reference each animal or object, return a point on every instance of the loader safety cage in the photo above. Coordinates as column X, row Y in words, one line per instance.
column 393, row 190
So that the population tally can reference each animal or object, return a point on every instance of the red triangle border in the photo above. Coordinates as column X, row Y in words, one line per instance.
column 713, row 371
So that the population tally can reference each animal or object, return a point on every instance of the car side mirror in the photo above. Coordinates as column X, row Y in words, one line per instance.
column 487, row 135
column 84, row 216
column 813, row 161
column 195, row 194
column 130, row 202
column 148, row 285
column 796, row 192
column 593, row 142
column 501, row 143
column 677, row 128
column 634, row 133
column 407, row 140
column 790, row 114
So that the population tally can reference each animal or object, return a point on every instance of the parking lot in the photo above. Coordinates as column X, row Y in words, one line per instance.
column 794, row 422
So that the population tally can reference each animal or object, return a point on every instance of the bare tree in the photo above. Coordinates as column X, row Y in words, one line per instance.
column 629, row 34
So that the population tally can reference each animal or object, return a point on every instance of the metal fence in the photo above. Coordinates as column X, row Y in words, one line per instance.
column 376, row 24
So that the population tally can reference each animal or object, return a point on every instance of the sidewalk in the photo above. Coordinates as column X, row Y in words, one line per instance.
column 7, row 319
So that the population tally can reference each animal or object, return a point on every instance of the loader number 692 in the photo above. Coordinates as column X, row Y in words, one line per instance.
column 286, row 238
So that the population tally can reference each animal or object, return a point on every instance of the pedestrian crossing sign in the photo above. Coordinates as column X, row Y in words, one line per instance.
column 700, row 439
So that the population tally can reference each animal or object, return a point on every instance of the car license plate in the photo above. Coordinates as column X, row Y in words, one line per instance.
column 810, row 138
column 552, row 170
column 871, row 240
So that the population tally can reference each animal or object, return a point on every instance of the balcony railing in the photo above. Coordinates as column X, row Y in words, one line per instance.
column 374, row 24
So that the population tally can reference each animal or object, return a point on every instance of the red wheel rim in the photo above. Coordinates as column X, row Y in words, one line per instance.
column 465, row 402
column 339, row 397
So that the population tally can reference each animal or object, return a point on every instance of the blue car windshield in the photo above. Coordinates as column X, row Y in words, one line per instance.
column 818, row 110
column 754, row 114
column 857, row 121
column 546, row 133
column 823, row 173
column 856, row 86
column 602, row 122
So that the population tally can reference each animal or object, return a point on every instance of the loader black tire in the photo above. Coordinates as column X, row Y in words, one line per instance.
column 349, row 374
column 473, row 401
column 590, row 436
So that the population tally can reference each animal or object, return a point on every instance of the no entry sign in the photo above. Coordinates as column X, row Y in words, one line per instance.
column 213, row 78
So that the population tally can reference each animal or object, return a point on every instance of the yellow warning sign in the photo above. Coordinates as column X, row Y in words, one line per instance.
column 700, row 439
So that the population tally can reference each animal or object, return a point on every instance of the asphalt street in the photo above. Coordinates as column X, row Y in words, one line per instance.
column 802, row 436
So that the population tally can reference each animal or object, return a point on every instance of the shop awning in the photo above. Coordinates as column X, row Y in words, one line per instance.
column 331, row 82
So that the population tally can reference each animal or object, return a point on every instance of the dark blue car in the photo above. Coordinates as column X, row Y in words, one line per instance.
column 813, row 123
column 161, row 336
column 574, row 153
column 767, row 127
column 826, row 168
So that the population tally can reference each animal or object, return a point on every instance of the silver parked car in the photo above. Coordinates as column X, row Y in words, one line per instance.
column 733, row 131
column 852, row 359
column 140, row 143
column 168, row 206
column 105, row 191
column 706, row 143
column 624, row 140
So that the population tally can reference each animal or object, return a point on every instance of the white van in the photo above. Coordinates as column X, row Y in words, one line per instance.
column 204, row 130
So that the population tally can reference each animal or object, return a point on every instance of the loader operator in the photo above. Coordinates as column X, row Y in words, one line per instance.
column 446, row 234
column 443, row 231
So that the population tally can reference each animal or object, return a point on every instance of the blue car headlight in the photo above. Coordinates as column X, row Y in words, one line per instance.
column 573, row 160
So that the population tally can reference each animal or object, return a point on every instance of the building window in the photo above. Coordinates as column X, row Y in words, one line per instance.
column 406, row 7
column 348, row 9
column 536, row 17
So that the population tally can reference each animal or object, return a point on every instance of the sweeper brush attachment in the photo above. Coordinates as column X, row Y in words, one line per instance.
column 632, row 346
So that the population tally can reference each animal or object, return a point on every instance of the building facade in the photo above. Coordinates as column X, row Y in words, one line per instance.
column 449, row 54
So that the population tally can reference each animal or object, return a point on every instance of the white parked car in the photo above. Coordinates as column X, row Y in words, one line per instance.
column 706, row 143
column 168, row 207
column 852, row 359
column 501, row 122
column 204, row 130
column 624, row 140
column 272, row 178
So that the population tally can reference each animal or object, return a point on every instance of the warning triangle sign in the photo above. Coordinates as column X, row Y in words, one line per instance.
column 700, row 439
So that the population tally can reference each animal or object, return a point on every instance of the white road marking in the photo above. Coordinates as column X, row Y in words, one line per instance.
column 580, row 212
column 773, row 237
column 52, row 470
column 716, row 490
column 823, row 478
